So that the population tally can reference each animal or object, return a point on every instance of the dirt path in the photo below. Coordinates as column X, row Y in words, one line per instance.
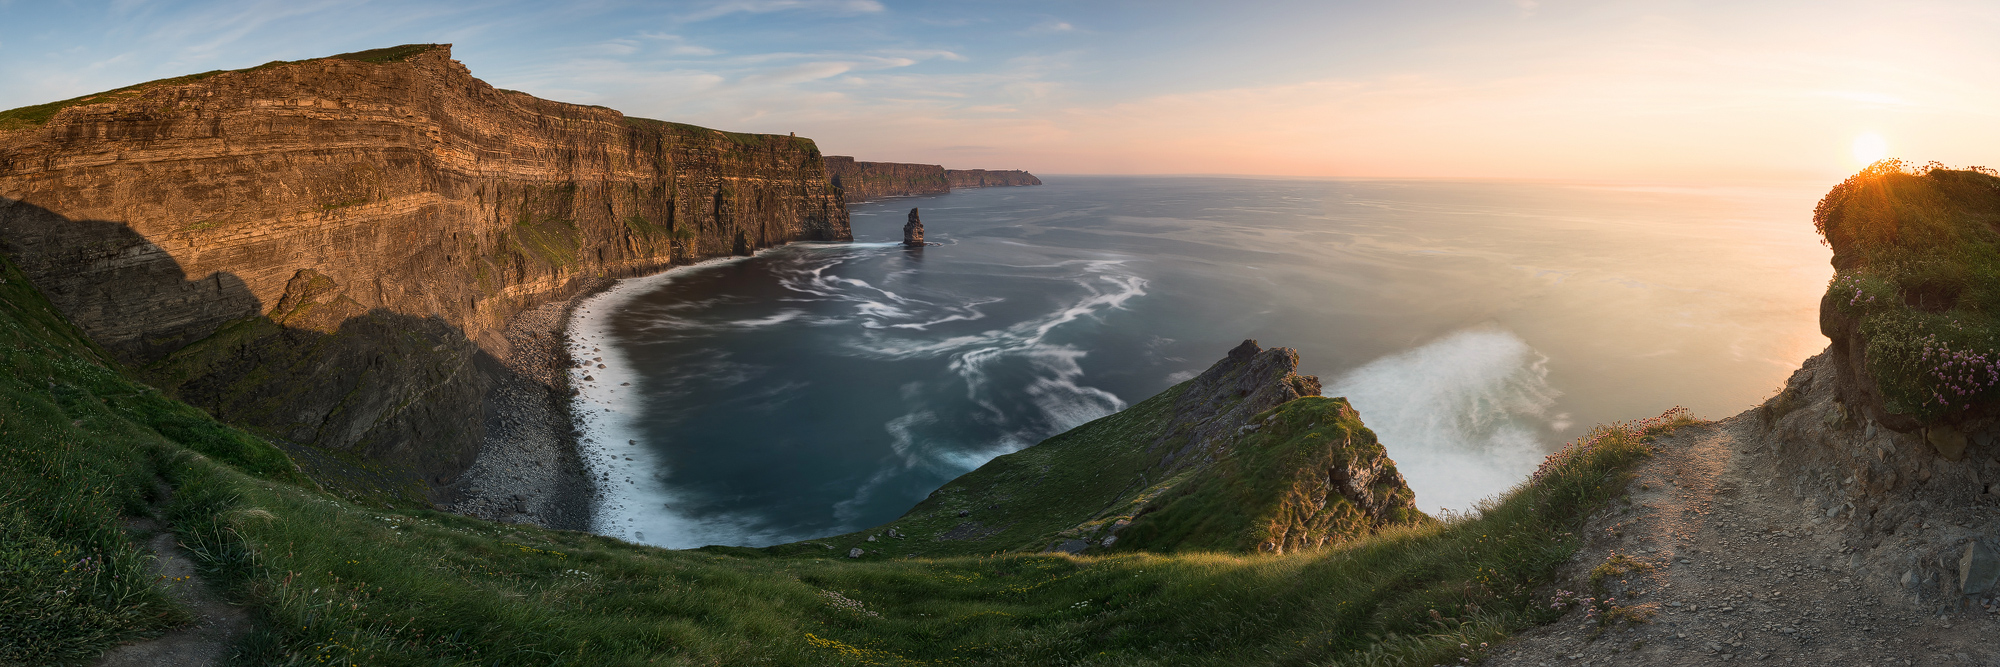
column 1742, row 564
column 218, row 625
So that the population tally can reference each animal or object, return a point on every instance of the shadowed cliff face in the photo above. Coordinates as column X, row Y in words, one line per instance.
column 863, row 181
column 317, row 370
column 411, row 199
column 989, row 178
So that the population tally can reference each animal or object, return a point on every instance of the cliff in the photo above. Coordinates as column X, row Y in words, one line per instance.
column 863, row 181
column 1247, row 457
column 988, row 178
column 1913, row 311
column 327, row 250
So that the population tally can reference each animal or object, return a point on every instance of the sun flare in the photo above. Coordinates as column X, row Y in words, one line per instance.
column 1870, row 147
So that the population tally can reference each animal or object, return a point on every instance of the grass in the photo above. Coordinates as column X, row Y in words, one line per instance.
column 331, row 582
column 554, row 240
column 1917, row 259
column 1265, row 494
column 742, row 139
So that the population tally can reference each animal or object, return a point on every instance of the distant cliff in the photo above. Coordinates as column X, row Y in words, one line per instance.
column 989, row 178
column 863, row 181
column 326, row 250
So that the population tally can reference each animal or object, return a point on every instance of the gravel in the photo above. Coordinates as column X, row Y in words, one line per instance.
column 528, row 470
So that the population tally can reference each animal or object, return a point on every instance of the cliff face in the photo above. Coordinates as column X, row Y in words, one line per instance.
column 988, row 178
column 863, row 181
column 327, row 250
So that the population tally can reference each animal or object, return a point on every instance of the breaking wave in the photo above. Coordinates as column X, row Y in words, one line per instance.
column 1465, row 416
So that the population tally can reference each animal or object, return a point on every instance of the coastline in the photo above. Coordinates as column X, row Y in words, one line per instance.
column 529, row 469
column 543, row 462
column 605, row 443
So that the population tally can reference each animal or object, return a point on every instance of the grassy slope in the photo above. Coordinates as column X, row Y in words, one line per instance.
column 1023, row 500
column 1234, row 504
column 1080, row 482
column 335, row 583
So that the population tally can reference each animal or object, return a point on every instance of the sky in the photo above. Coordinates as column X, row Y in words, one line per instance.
column 1654, row 91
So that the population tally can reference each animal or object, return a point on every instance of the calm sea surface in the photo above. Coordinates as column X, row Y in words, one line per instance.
column 822, row 388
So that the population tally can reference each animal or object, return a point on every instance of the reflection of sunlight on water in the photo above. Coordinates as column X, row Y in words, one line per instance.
column 1464, row 416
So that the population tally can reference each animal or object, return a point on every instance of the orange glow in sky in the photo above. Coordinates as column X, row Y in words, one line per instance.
column 1648, row 90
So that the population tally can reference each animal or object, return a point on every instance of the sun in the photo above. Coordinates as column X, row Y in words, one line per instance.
column 1869, row 147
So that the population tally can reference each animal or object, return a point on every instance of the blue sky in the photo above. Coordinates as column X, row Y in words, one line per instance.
column 1633, row 90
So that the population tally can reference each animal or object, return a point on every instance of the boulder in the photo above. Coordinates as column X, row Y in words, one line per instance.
column 1978, row 570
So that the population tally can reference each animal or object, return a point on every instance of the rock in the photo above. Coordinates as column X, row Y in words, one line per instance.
column 854, row 552
column 1978, row 570
column 965, row 512
column 913, row 231
column 1110, row 540
column 1949, row 442
column 871, row 538
column 1068, row 547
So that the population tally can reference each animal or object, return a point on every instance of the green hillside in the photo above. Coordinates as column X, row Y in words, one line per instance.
column 83, row 445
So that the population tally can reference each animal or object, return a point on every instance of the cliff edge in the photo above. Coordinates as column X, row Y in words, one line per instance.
column 329, row 251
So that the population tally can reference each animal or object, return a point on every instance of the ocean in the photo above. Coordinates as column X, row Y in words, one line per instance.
column 818, row 388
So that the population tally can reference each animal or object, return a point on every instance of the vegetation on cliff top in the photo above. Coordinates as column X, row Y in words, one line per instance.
column 1917, row 256
column 331, row 582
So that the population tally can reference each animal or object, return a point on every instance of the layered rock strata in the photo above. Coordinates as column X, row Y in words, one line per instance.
column 864, row 181
column 988, row 178
column 329, row 250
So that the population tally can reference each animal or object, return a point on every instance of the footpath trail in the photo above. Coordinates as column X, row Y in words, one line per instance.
column 218, row 625
column 1738, row 565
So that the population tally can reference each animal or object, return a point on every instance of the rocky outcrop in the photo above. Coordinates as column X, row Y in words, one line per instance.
column 1222, row 399
column 1910, row 517
column 913, row 231
column 328, row 250
column 1257, row 460
column 988, row 178
column 1247, row 457
column 865, row 181
column 1911, row 313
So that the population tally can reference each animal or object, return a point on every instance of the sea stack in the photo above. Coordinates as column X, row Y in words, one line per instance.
column 913, row 231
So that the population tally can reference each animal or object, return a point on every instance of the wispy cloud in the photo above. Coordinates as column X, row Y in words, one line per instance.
column 678, row 45
column 767, row 6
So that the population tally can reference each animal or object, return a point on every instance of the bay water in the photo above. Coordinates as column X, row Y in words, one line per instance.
column 821, row 388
